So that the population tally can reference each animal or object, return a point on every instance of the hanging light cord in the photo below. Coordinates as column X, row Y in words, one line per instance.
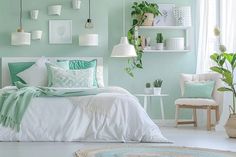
column 89, row 9
column 21, row 6
column 123, row 18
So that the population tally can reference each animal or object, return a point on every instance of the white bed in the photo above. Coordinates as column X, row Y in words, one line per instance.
column 112, row 116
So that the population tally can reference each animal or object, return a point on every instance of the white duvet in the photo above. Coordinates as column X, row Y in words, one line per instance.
column 114, row 116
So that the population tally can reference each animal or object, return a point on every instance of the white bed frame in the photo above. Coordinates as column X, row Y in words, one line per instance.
column 5, row 78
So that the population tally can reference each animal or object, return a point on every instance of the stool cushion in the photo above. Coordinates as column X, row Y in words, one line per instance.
column 196, row 101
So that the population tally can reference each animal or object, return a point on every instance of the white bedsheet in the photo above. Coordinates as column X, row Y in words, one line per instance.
column 115, row 116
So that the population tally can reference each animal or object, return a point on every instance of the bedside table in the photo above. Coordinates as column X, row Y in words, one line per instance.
column 146, row 96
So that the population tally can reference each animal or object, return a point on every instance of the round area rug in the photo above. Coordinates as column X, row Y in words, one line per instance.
column 152, row 151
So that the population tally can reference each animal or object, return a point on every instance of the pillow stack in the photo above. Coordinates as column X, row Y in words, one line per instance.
column 63, row 73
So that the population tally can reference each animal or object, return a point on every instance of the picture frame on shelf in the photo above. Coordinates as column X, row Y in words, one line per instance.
column 60, row 31
column 167, row 18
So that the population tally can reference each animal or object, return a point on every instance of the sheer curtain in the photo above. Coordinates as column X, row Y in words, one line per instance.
column 228, row 24
column 228, row 38
column 206, row 20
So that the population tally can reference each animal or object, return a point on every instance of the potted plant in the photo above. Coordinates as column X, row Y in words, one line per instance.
column 145, row 12
column 148, row 89
column 139, row 17
column 159, row 40
column 225, row 65
column 157, row 86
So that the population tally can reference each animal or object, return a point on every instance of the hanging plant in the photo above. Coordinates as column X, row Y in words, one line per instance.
column 139, row 15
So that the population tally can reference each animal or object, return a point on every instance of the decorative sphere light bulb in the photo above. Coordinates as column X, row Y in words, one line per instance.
column 89, row 24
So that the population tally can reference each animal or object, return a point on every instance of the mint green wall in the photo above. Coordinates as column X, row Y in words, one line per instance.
column 107, row 15
column 167, row 66
column 9, row 18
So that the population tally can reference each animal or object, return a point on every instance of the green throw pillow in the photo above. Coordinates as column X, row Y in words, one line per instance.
column 198, row 89
column 82, row 64
column 16, row 68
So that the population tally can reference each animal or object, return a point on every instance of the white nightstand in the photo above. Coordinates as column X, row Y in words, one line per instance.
column 146, row 96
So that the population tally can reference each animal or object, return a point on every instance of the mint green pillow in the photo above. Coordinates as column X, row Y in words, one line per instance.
column 16, row 68
column 198, row 89
column 82, row 64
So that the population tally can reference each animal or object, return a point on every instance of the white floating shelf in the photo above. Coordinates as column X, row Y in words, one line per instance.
column 164, row 51
column 166, row 27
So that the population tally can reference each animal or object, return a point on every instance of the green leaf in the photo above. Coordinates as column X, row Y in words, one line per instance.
column 135, row 22
column 217, row 69
column 224, row 89
column 215, row 57
column 139, row 66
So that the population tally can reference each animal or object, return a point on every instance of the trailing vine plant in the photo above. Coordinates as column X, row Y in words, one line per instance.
column 138, row 14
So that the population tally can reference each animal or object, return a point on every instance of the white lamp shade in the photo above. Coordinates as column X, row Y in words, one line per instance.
column 124, row 49
column 20, row 38
column 88, row 40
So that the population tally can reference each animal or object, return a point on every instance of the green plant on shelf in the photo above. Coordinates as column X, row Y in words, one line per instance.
column 157, row 83
column 148, row 85
column 159, row 38
column 138, row 14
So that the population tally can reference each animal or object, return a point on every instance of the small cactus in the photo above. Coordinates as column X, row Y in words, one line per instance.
column 159, row 38
column 157, row 83
column 148, row 85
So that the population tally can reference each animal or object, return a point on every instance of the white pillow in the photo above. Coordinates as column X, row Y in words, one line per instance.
column 59, row 77
column 99, row 75
column 36, row 75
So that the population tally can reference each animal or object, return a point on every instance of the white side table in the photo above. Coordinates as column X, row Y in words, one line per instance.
column 146, row 96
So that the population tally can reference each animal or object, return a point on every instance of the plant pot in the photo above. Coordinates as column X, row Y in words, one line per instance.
column 157, row 91
column 54, row 10
column 175, row 43
column 230, row 126
column 149, row 20
column 76, row 4
column 160, row 46
column 34, row 14
column 148, row 91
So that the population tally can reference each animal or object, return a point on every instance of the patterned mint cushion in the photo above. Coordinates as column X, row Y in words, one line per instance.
column 82, row 64
column 59, row 77
column 198, row 89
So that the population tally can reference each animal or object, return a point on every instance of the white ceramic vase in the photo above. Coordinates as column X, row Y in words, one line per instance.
column 160, row 46
column 76, row 4
column 156, row 91
column 34, row 14
column 175, row 44
column 148, row 91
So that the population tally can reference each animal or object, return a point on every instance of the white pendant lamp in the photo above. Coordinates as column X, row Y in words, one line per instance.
column 88, row 39
column 124, row 49
column 20, row 37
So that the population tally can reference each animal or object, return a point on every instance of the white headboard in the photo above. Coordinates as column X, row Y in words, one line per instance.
column 6, row 81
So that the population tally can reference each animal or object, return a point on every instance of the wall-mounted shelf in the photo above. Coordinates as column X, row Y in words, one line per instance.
column 166, row 27
column 165, row 51
column 186, row 29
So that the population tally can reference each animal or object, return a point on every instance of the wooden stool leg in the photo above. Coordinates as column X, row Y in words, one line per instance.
column 176, row 115
column 195, row 117
column 209, row 118
column 217, row 114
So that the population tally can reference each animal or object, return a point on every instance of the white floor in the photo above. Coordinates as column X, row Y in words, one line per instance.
column 182, row 136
